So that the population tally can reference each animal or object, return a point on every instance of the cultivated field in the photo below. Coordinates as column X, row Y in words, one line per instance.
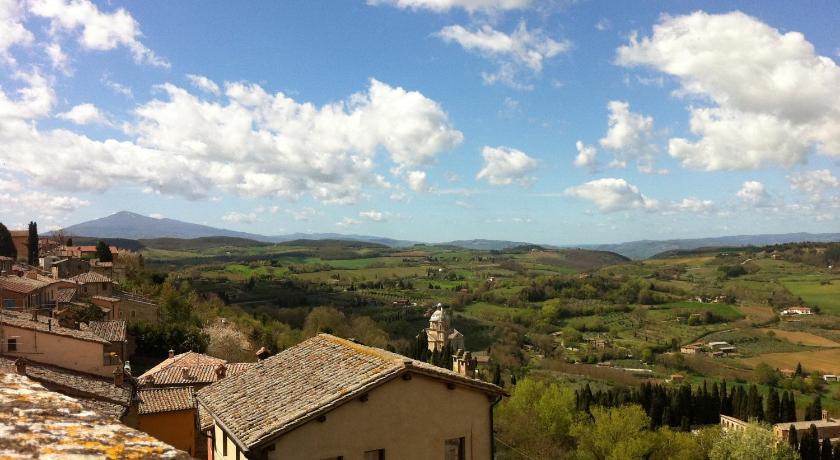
column 826, row 361
column 805, row 338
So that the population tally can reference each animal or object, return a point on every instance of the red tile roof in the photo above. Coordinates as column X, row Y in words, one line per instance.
column 21, row 284
column 156, row 400
column 90, row 277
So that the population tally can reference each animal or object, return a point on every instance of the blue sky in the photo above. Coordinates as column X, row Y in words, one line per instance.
column 546, row 121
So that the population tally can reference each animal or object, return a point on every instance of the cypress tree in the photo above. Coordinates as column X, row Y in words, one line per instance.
column 816, row 408
column 792, row 414
column 837, row 451
column 773, row 407
column 814, row 441
column 793, row 439
column 805, row 446
column 7, row 247
column 825, row 452
column 798, row 371
column 32, row 244
column 497, row 374
column 103, row 252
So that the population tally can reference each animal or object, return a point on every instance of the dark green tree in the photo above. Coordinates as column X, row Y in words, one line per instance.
column 837, row 451
column 793, row 439
column 497, row 374
column 7, row 246
column 32, row 244
column 103, row 252
column 69, row 241
column 825, row 452
column 805, row 446
column 772, row 413
column 798, row 371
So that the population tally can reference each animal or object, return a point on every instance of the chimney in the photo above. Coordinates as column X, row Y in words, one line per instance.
column 221, row 370
column 469, row 365
column 185, row 372
column 118, row 377
column 20, row 366
column 171, row 353
column 34, row 314
column 825, row 416
column 263, row 353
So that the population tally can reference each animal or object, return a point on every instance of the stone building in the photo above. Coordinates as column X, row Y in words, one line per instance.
column 330, row 398
column 440, row 332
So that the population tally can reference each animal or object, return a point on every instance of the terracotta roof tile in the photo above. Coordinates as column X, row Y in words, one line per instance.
column 73, row 383
column 36, row 422
column 91, row 277
column 112, row 331
column 65, row 295
column 155, row 400
column 21, row 284
column 189, row 375
column 25, row 321
column 278, row 394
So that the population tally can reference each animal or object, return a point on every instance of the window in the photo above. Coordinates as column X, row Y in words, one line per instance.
column 12, row 344
column 9, row 304
column 378, row 454
column 454, row 449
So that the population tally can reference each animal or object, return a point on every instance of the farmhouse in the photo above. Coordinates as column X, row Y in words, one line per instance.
column 799, row 310
column 333, row 398
column 692, row 348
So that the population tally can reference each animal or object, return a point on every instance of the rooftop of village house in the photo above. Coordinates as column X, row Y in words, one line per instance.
column 91, row 390
column 157, row 400
column 46, row 325
column 189, row 368
column 279, row 393
column 38, row 423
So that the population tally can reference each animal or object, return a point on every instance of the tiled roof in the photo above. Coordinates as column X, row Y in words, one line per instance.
column 21, row 284
column 25, row 321
column 187, row 359
column 106, row 298
column 76, row 384
column 38, row 423
column 179, row 374
column 155, row 400
column 280, row 393
column 112, row 331
column 65, row 295
column 91, row 277
column 205, row 420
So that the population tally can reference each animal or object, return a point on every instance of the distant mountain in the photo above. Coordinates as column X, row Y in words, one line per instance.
column 487, row 245
column 133, row 226
column 648, row 248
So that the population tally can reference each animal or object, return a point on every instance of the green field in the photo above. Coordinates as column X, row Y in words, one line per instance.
column 814, row 293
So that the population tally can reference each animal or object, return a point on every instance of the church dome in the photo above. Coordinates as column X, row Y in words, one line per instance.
column 439, row 314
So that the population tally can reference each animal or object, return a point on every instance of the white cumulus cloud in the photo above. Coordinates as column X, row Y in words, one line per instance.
column 587, row 157
column 761, row 97
column 203, row 83
column 417, row 181
column 505, row 166
column 12, row 30
column 629, row 137
column 84, row 114
column 252, row 143
column 754, row 193
column 814, row 183
column 612, row 194
column 523, row 49
column 99, row 30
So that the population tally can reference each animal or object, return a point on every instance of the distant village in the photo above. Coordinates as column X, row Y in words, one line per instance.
column 327, row 397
